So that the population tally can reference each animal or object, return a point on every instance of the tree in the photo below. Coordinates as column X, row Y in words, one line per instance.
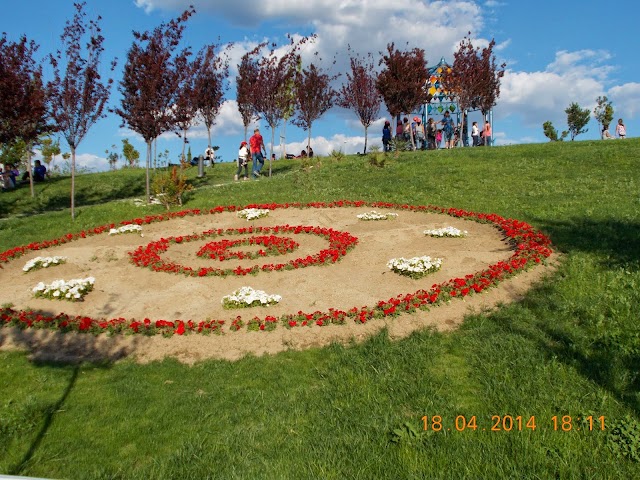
column 551, row 133
column 460, row 79
column 271, row 95
column 246, row 85
column 314, row 96
column 130, row 154
column 151, row 81
column 487, row 79
column 23, row 99
column 603, row 112
column 49, row 150
column 577, row 119
column 211, row 84
column 401, row 81
column 360, row 93
column 185, row 108
column 112, row 157
column 78, row 96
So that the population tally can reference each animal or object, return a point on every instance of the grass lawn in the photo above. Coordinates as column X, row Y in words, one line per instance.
column 570, row 348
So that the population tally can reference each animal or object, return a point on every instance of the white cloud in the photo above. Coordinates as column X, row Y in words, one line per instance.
column 536, row 97
column 366, row 26
column 625, row 99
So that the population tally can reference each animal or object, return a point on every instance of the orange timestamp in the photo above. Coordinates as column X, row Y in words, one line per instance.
column 518, row 423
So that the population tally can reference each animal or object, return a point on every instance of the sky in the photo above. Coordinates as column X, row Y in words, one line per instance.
column 556, row 53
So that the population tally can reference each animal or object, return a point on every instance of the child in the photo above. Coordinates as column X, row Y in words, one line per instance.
column 438, row 138
column 243, row 161
column 621, row 131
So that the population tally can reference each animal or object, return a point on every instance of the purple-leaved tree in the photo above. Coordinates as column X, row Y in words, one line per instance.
column 360, row 93
column 211, row 84
column 78, row 96
column 23, row 99
column 151, row 82
column 314, row 95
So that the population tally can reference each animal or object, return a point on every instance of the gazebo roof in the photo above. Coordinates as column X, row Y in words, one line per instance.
column 434, row 86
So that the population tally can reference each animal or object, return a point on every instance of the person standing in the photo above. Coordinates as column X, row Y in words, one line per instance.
column 475, row 134
column 486, row 134
column 243, row 161
column 421, row 142
column 431, row 134
column 258, row 152
column 447, row 130
column 621, row 130
column 386, row 136
column 209, row 155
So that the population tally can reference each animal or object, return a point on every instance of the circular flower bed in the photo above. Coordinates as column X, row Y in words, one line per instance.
column 273, row 246
column 530, row 248
column 150, row 256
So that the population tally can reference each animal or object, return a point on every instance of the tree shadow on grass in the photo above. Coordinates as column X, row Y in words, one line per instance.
column 71, row 348
column 68, row 352
column 618, row 240
column 613, row 365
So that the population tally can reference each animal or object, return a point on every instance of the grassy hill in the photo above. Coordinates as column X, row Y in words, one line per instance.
column 571, row 347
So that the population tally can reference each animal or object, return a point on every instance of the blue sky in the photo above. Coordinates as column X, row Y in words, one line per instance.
column 557, row 52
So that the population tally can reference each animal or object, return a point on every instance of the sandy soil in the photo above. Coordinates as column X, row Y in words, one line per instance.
column 360, row 278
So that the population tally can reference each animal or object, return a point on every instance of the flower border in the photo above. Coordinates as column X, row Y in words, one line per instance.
column 530, row 249
column 148, row 256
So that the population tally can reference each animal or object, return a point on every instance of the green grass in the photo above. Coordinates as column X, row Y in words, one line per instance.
column 570, row 347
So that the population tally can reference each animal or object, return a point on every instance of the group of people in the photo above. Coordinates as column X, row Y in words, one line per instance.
column 10, row 174
column 255, row 152
column 429, row 136
column 621, row 131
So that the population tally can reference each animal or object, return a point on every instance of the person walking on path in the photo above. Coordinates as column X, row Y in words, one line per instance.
column 242, row 161
column 258, row 152
column 621, row 130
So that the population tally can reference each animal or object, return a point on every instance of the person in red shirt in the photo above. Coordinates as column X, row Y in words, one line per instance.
column 258, row 151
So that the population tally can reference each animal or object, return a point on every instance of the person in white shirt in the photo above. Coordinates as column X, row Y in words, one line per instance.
column 209, row 155
column 242, row 161
column 475, row 134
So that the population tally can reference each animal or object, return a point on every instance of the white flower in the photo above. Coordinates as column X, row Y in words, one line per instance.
column 446, row 232
column 253, row 213
column 248, row 297
column 43, row 262
column 373, row 215
column 72, row 290
column 415, row 267
column 125, row 229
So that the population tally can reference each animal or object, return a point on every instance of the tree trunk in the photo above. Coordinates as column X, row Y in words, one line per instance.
column 366, row 129
column 73, row 182
column 273, row 138
column 30, row 170
column 148, row 165
column 309, row 141
column 155, row 154
column 183, row 159
column 283, row 140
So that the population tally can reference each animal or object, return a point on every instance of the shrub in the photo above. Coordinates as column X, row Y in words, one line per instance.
column 169, row 187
